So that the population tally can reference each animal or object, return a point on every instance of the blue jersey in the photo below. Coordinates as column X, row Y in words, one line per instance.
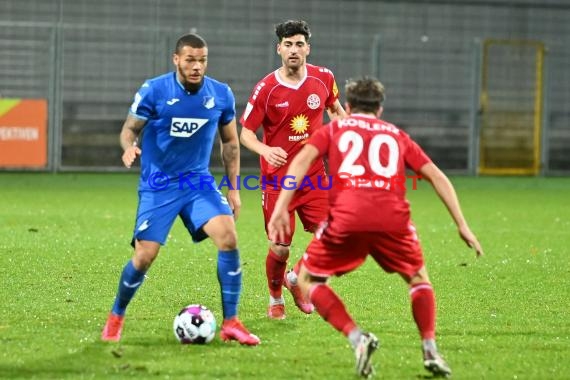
column 181, row 126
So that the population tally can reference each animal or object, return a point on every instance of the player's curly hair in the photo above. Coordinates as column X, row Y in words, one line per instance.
column 192, row 40
column 291, row 28
column 364, row 94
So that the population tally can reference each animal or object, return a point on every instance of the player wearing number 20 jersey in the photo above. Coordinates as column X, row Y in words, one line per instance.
column 371, row 219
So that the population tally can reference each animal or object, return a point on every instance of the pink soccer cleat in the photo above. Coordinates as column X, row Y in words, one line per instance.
column 303, row 304
column 233, row 329
column 113, row 328
column 276, row 311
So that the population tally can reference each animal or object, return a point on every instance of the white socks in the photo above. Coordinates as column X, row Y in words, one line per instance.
column 276, row 301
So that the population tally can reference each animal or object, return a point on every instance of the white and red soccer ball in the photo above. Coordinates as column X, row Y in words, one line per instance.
column 195, row 324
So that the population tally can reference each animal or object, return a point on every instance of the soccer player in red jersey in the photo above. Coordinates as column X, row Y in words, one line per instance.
column 289, row 105
column 369, row 215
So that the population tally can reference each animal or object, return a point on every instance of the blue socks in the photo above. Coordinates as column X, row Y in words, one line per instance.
column 131, row 280
column 229, row 276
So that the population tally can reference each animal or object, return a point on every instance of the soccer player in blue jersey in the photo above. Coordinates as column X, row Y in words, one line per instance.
column 180, row 113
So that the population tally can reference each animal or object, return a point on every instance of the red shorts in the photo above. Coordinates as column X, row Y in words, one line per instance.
column 311, row 205
column 334, row 253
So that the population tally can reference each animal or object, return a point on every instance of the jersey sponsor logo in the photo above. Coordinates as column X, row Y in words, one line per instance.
column 282, row 105
column 172, row 101
column 299, row 137
column 313, row 101
column 299, row 125
column 209, row 102
column 183, row 127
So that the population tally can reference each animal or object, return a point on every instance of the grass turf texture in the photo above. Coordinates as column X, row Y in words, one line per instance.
column 64, row 240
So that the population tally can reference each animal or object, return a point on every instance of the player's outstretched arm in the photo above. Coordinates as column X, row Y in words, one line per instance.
column 230, row 157
column 279, row 223
column 447, row 194
column 275, row 156
column 131, row 130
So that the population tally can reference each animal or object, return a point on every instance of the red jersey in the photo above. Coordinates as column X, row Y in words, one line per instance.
column 289, row 115
column 368, row 158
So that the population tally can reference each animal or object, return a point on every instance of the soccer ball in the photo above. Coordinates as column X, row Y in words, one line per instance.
column 195, row 324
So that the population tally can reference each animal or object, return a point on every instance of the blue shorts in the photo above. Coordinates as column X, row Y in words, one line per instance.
column 157, row 211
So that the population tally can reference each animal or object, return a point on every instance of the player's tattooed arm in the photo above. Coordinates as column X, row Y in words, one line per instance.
column 230, row 147
column 231, row 159
column 128, row 139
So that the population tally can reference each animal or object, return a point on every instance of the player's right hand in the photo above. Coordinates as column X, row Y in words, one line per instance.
column 130, row 155
column 275, row 156
column 278, row 227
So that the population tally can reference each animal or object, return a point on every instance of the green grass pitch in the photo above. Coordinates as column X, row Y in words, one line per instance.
column 64, row 240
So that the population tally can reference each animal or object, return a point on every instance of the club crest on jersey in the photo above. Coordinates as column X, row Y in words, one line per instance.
column 313, row 101
column 183, row 127
column 209, row 102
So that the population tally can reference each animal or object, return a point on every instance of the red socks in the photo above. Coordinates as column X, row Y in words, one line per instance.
column 331, row 308
column 423, row 309
column 275, row 267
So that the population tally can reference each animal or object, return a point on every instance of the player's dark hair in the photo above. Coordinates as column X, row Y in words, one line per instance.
column 291, row 28
column 192, row 40
column 365, row 94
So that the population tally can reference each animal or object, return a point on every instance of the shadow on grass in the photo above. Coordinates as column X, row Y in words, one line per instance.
column 139, row 358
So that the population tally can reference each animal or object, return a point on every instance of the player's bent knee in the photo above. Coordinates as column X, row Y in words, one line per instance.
column 420, row 277
column 145, row 253
column 280, row 250
column 228, row 241
column 305, row 281
column 225, row 239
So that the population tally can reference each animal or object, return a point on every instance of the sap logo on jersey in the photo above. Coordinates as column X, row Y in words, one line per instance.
column 182, row 127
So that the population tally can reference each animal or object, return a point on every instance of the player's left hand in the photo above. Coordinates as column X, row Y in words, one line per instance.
column 234, row 201
column 278, row 227
column 470, row 239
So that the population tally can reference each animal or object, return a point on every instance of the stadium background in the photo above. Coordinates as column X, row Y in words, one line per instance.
column 89, row 57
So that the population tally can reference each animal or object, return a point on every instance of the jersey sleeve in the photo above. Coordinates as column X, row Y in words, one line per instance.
column 333, row 90
column 415, row 156
column 143, row 103
column 321, row 139
column 254, row 112
column 229, row 111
